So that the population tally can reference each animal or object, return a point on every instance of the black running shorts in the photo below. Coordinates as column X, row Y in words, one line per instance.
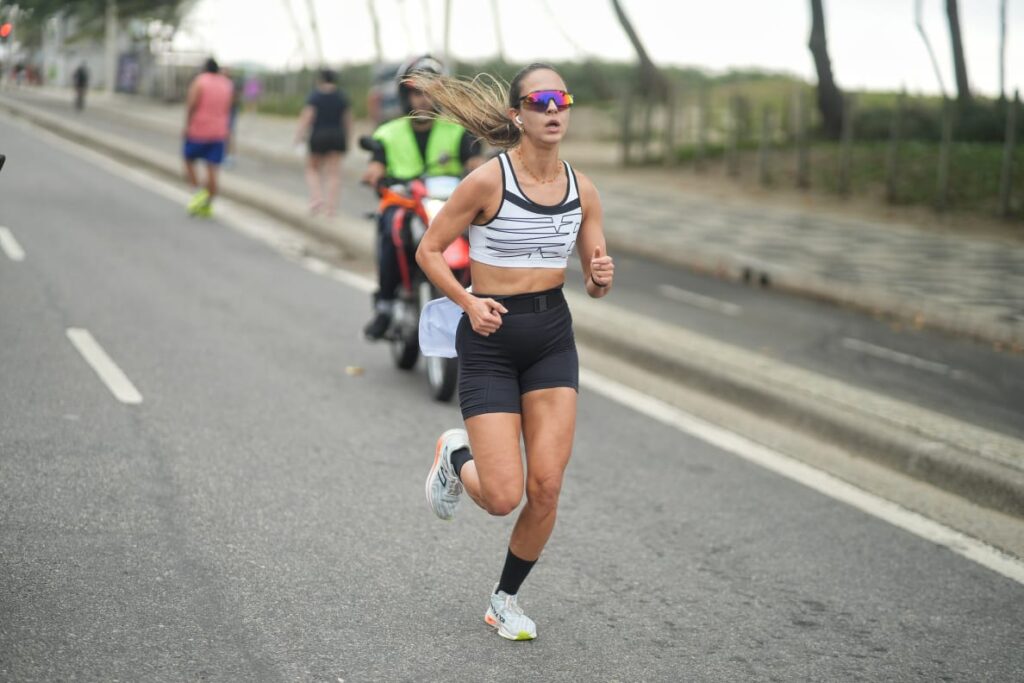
column 326, row 141
column 533, row 349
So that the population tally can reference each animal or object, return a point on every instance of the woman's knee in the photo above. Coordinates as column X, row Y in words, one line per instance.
column 503, row 501
column 543, row 491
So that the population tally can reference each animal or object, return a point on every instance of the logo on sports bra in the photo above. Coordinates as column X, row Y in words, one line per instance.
column 538, row 237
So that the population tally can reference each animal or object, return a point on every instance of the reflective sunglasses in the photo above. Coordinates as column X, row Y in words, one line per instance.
column 540, row 100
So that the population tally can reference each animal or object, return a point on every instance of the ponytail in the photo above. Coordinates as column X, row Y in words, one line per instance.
column 478, row 105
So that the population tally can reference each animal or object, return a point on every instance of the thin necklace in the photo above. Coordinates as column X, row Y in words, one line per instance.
column 552, row 179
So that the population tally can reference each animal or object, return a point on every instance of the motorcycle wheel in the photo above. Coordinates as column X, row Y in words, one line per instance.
column 405, row 346
column 443, row 376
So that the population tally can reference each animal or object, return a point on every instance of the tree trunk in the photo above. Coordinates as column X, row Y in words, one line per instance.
column 963, row 89
column 110, row 51
column 500, row 43
column 375, row 21
column 1002, row 50
column 316, row 33
column 652, row 79
column 830, row 98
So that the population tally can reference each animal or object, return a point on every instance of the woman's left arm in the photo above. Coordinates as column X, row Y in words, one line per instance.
column 598, row 267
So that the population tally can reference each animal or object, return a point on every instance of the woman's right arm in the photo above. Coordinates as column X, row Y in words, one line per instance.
column 305, row 120
column 469, row 200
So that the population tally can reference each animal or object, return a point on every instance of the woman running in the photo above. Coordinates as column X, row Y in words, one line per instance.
column 518, row 368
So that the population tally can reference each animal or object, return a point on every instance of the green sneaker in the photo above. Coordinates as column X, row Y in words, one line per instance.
column 200, row 201
column 206, row 210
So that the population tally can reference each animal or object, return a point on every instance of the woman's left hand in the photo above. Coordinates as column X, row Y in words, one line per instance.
column 602, row 269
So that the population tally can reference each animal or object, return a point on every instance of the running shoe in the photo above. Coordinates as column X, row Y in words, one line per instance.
column 199, row 202
column 443, row 487
column 507, row 617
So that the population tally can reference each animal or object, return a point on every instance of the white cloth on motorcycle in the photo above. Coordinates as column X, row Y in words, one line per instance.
column 439, row 320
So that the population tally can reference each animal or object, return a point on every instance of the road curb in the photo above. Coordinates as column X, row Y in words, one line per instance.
column 972, row 462
column 754, row 271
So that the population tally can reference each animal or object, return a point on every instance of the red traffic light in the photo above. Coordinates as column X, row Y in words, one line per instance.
column 5, row 29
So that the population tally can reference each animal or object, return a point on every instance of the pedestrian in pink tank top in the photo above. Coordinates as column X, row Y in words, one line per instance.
column 207, row 125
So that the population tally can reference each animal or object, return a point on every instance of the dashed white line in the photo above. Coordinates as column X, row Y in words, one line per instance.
column 699, row 300
column 876, row 351
column 118, row 383
column 810, row 477
column 10, row 245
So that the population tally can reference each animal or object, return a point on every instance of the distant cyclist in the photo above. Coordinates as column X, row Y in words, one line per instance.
column 412, row 146
column 207, row 126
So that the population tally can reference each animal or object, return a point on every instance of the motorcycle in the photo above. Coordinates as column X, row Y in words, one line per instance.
column 411, row 205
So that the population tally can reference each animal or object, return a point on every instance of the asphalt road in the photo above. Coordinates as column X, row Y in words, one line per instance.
column 260, row 514
column 962, row 378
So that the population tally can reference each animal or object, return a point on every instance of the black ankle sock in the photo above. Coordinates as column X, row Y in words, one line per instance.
column 514, row 573
column 460, row 458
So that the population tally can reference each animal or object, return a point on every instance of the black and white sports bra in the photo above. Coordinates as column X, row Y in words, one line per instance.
column 524, row 234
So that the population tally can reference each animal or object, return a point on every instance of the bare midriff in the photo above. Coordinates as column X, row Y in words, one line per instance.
column 495, row 280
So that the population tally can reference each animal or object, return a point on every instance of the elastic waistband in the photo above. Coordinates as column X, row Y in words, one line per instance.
column 533, row 302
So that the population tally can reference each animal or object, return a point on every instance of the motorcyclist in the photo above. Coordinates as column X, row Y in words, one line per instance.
column 410, row 147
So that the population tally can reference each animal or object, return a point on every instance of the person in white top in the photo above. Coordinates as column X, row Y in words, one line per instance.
column 519, row 372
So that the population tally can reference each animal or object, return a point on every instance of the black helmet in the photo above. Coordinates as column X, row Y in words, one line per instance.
column 421, row 64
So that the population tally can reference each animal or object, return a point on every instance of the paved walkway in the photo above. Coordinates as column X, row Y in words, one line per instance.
column 965, row 283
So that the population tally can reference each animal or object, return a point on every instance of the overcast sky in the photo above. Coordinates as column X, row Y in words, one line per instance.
column 873, row 43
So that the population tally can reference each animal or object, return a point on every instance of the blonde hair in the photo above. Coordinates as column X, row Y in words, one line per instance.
column 476, row 104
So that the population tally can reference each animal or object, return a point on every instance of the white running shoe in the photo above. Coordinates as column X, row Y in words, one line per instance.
column 507, row 616
column 443, row 487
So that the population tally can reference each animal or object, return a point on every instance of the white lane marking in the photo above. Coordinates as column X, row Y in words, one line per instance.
column 10, row 245
column 870, row 349
column 353, row 280
column 118, row 383
column 699, row 300
column 810, row 477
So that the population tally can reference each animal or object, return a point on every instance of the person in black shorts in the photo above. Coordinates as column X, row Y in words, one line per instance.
column 527, row 211
column 325, row 122
column 81, row 81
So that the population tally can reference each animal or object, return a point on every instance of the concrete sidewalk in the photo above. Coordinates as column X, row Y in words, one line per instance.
column 963, row 283
column 986, row 467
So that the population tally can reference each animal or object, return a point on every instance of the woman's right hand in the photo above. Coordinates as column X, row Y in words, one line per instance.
column 485, row 315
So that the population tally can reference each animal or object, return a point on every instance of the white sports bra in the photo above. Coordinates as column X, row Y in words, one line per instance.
column 524, row 234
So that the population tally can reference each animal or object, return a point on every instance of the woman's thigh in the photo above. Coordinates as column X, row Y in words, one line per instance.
column 494, row 441
column 549, row 426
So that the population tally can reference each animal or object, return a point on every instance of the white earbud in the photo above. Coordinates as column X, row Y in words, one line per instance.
column 519, row 121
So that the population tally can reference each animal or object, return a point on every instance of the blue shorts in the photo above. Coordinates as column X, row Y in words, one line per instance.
column 211, row 152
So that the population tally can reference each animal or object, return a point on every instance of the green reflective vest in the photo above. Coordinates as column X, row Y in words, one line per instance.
column 404, row 160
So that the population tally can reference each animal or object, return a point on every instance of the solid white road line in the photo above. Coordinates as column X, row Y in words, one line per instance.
column 118, row 383
column 699, row 300
column 870, row 349
column 810, row 477
column 10, row 245
column 353, row 280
